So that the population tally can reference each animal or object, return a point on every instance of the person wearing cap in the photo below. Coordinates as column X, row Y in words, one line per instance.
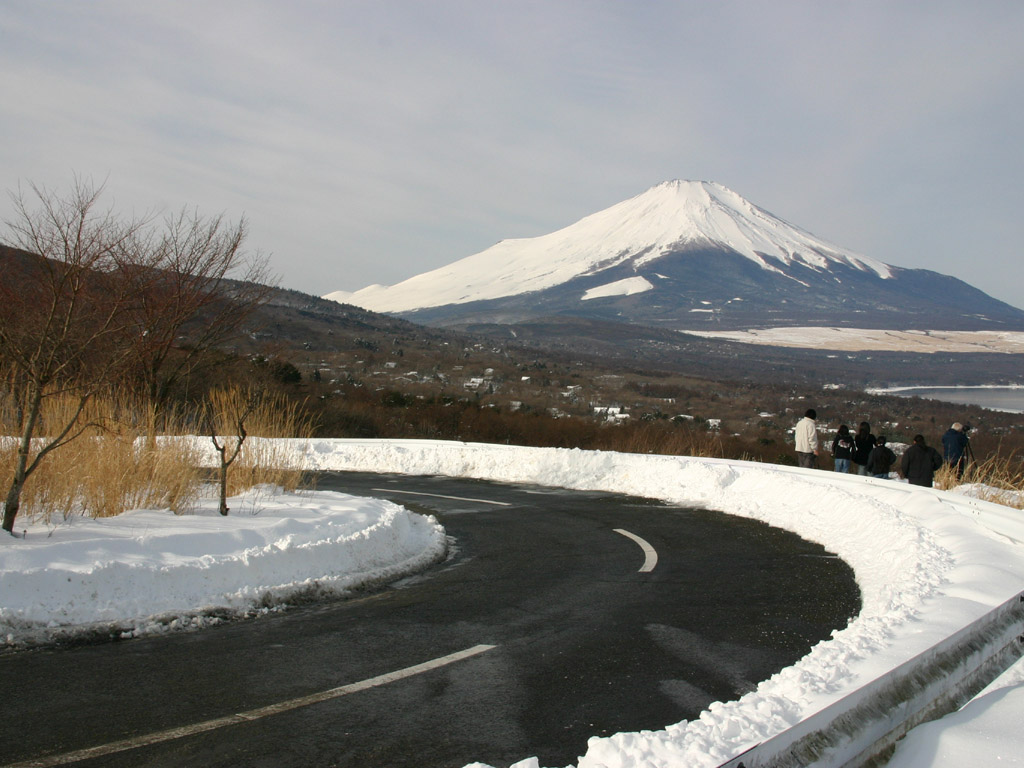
column 954, row 448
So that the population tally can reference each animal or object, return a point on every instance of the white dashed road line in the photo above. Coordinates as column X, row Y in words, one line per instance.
column 442, row 496
column 650, row 556
column 252, row 714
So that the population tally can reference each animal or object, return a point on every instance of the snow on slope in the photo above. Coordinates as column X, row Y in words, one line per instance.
column 342, row 297
column 627, row 287
column 672, row 216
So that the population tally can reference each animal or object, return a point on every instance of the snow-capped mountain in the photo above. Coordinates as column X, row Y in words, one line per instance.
column 678, row 255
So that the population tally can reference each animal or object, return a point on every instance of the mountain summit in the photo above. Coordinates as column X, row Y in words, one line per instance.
column 679, row 255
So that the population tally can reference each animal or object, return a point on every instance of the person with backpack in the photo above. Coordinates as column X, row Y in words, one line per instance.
column 864, row 443
column 920, row 463
column 842, row 449
column 881, row 459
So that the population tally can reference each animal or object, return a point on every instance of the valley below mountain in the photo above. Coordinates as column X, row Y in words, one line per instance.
column 580, row 383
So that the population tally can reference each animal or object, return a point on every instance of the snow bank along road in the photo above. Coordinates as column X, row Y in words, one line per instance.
column 548, row 624
column 929, row 564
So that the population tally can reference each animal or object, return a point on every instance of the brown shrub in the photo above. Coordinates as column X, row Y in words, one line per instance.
column 112, row 467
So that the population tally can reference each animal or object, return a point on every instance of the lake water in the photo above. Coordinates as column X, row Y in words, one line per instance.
column 997, row 398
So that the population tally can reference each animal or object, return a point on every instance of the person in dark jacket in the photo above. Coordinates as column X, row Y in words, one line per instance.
column 842, row 449
column 954, row 448
column 881, row 459
column 920, row 462
column 864, row 443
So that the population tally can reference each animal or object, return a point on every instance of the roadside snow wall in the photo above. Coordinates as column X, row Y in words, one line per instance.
column 930, row 565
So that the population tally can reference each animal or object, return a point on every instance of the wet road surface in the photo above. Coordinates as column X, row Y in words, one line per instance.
column 568, row 637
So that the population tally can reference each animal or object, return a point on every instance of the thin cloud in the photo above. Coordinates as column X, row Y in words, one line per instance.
column 367, row 142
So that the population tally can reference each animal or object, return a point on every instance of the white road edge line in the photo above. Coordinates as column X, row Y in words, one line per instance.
column 252, row 714
column 442, row 496
column 650, row 556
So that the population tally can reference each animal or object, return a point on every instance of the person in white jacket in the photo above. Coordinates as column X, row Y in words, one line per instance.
column 807, row 439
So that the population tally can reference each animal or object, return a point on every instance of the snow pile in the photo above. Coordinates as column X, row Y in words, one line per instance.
column 927, row 562
column 920, row 561
column 985, row 732
column 149, row 570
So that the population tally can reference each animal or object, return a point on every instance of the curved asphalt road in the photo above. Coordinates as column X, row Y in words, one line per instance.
column 567, row 638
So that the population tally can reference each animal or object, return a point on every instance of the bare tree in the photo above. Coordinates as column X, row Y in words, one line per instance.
column 92, row 299
column 63, row 316
column 233, row 412
column 197, row 290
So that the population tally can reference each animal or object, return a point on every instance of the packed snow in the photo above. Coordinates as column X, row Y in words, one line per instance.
column 151, row 570
column 985, row 732
column 927, row 562
column 671, row 216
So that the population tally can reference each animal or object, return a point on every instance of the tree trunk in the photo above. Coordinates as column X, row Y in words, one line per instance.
column 222, row 449
column 223, row 481
column 13, row 503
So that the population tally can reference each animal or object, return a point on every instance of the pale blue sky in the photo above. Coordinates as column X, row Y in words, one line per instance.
column 369, row 141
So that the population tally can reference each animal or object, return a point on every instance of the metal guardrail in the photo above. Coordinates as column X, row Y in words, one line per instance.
column 862, row 728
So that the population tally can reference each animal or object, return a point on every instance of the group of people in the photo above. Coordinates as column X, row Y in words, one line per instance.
column 872, row 456
column 861, row 449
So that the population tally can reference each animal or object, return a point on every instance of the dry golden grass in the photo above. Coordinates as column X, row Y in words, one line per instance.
column 107, row 470
column 262, row 460
column 999, row 478
column 668, row 439
column 117, row 464
column 945, row 478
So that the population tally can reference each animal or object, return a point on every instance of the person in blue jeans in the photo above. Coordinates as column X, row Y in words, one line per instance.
column 842, row 449
column 863, row 444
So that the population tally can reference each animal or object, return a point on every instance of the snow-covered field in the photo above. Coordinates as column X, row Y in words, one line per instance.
column 865, row 339
column 927, row 562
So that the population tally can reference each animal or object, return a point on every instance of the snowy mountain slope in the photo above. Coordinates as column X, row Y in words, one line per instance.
column 680, row 256
column 670, row 217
